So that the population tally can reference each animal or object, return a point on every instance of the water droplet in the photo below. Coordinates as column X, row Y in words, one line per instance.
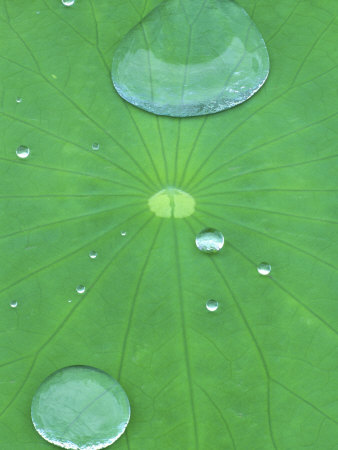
column 211, row 305
column 96, row 146
column 37, row 12
column 22, row 152
column 80, row 289
column 209, row 240
column 68, row 2
column 216, row 59
column 69, row 301
column 13, row 304
column 18, row 99
column 80, row 407
column 264, row 268
column 92, row 254
column 123, row 233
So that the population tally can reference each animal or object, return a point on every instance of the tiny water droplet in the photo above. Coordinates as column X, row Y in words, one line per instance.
column 22, row 152
column 212, row 305
column 216, row 59
column 18, row 99
column 13, row 304
column 80, row 289
column 69, row 301
column 264, row 268
column 209, row 240
column 96, row 146
column 92, row 254
column 37, row 12
column 68, row 2
column 123, row 233
column 80, row 407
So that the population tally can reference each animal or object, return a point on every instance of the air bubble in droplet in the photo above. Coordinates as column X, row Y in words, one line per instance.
column 80, row 407
column 81, row 289
column 18, row 99
column 22, row 152
column 13, row 304
column 92, row 254
column 209, row 240
column 68, row 2
column 212, row 305
column 123, row 233
column 96, row 146
column 264, row 268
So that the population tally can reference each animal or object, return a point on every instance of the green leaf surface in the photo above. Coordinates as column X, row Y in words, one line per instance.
column 261, row 371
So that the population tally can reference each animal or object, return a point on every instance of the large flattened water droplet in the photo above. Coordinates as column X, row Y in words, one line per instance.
column 209, row 240
column 80, row 407
column 191, row 57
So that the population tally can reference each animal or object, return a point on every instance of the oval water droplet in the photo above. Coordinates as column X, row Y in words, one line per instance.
column 191, row 58
column 93, row 254
column 81, row 289
column 13, row 304
column 18, row 99
column 264, row 268
column 123, row 233
column 96, row 146
column 80, row 407
column 22, row 151
column 209, row 240
column 212, row 305
column 68, row 2
column 69, row 301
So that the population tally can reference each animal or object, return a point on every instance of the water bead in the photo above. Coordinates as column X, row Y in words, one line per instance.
column 80, row 407
column 191, row 58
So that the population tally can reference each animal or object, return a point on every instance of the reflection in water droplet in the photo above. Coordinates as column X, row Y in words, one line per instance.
column 13, row 304
column 216, row 59
column 68, row 2
column 80, row 407
column 80, row 289
column 92, row 254
column 264, row 268
column 123, row 233
column 22, row 152
column 212, row 305
column 209, row 240
column 96, row 146
column 18, row 99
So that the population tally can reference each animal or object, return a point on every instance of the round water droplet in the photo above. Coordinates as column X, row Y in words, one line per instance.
column 18, row 99
column 22, row 152
column 92, row 254
column 80, row 407
column 211, row 305
column 123, row 233
column 264, row 268
column 68, row 2
column 96, row 146
column 209, row 240
column 216, row 59
column 80, row 289
column 13, row 304
column 69, row 301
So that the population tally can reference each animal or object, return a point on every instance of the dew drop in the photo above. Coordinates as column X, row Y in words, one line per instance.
column 96, row 146
column 123, row 233
column 18, row 99
column 68, row 2
column 69, row 301
column 92, row 254
column 264, row 268
column 80, row 407
column 216, row 59
column 22, row 152
column 209, row 240
column 13, row 304
column 211, row 305
column 80, row 289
